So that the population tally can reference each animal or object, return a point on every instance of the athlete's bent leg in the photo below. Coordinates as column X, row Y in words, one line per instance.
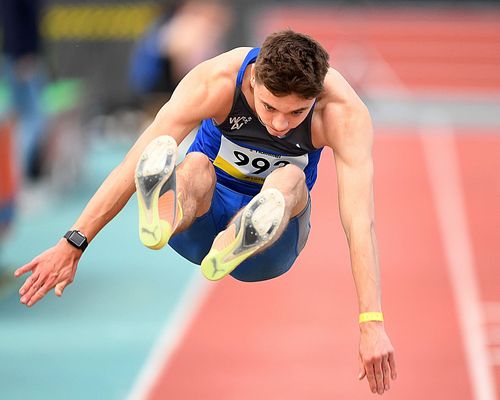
column 259, row 224
column 281, row 256
column 195, row 187
column 291, row 182
column 170, row 197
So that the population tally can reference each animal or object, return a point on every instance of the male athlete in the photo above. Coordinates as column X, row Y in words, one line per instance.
column 239, row 202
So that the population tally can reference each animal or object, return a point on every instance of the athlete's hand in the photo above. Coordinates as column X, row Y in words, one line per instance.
column 54, row 268
column 376, row 356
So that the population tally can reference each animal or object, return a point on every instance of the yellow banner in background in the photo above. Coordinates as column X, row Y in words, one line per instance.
column 98, row 22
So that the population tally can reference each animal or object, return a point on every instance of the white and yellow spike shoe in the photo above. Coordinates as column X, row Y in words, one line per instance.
column 159, row 207
column 254, row 227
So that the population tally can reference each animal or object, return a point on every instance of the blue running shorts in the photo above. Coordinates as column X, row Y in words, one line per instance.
column 195, row 242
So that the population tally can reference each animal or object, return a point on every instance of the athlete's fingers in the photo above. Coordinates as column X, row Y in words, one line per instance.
column 28, row 283
column 362, row 372
column 25, row 268
column 392, row 364
column 60, row 287
column 379, row 376
column 386, row 373
column 42, row 291
column 370, row 375
column 32, row 288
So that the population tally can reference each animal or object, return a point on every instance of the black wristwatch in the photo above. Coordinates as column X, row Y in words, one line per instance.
column 77, row 239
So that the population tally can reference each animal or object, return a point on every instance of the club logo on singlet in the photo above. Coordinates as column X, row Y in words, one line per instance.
column 252, row 165
column 238, row 122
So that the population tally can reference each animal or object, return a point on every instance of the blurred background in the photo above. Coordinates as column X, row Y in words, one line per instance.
column 79, row 82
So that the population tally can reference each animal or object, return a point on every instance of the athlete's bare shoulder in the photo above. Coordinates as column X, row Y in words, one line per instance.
column 225, row 66
column 337, row 108
column 220, row 75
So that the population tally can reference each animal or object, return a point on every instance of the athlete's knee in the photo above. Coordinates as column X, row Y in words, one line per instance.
column 198, row 168
column 288, row 178
column 291, row 172
column 197, row 160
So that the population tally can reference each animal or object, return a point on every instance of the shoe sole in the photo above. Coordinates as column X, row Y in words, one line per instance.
column 154, row 177
column 256, row 226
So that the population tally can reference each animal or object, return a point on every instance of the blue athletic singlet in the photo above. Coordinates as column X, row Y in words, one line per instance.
column 244, row 153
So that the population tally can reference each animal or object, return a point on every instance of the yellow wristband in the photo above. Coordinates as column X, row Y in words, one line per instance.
column 370, row 316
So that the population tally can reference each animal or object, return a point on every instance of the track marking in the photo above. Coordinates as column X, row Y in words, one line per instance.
column 443, row 167
column 171, row 336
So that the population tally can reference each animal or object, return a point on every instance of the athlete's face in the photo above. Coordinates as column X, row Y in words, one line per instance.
column 279, row 114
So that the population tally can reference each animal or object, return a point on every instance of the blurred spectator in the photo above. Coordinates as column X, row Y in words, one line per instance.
column 24, row 75
column 7, row 186
column 186, row 33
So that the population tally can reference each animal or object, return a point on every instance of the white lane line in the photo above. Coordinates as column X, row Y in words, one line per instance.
column 443, row 168
column 171, row 336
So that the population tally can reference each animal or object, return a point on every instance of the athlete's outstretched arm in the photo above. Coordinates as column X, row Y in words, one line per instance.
column 195, row 98
column 352, row 143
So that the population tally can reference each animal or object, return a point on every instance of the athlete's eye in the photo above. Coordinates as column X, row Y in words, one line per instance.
column 297, row 112
column 267, row 107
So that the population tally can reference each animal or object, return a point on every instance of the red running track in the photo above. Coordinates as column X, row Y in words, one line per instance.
column 296, row 337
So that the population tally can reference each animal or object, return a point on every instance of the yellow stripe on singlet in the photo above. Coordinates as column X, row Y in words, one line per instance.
column 234, row 172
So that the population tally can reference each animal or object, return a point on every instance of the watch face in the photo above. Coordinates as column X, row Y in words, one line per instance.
column 77, row 238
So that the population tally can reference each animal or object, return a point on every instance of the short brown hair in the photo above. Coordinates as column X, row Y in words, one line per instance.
column 291, row 62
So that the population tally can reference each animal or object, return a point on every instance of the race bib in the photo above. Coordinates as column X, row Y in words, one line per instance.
column 252, row 165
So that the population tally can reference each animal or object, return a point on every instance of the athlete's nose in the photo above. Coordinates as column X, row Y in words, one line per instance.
column 280, row 123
